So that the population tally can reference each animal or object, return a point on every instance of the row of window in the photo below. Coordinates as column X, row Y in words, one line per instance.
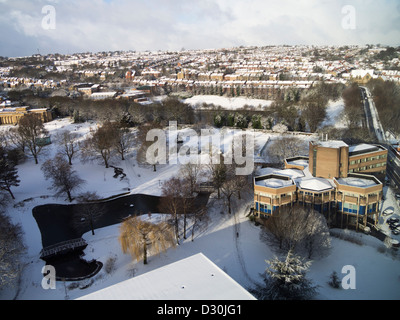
column 344, row 207
column 382, row 156
column 372, row 166
column 307, row 193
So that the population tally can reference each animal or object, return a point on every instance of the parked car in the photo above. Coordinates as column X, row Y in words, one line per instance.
column 387, row 212
column 392, row 220
column 397, row 196
column 395, row 232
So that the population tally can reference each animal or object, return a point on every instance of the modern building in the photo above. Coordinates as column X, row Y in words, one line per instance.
column 330, row 159
column 334, row 178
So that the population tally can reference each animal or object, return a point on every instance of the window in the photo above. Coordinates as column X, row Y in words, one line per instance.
column 314, row 162
column 349, row 207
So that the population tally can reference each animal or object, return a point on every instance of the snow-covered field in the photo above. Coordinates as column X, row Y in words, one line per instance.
column 242, row 258
column 333, row 112
column 227, row 103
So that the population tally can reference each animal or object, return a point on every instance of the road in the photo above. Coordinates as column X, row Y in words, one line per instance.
column 373, row 122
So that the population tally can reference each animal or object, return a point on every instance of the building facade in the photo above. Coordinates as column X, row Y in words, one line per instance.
column 12, row 115
column 334, row 179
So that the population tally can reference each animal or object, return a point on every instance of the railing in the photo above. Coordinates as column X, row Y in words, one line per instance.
column 62, row 246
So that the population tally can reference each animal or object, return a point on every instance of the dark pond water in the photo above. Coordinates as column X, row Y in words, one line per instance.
column 58, row 223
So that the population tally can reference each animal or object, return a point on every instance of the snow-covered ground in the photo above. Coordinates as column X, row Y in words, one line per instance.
column 333, row 112
column 242, row 258
column 228, row 103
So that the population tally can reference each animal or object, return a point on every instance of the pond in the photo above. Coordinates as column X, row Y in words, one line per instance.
column 60, row 223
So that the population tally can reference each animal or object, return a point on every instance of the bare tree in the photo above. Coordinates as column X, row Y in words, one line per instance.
column 138, row 236
column 187, row 198
column 191, row 172
column 229, row 186
column 100, row 144
column 171, row 201
column 63, row 178
column 12, row 137
column 286, row 147
column 30, row 129
column 299, row 229
column 68, row 144
column 218, row 173
column 11, row 248
column 200, row 219
column 143, row 144
column 124, row 140
column 90, row 211
column 314, row 106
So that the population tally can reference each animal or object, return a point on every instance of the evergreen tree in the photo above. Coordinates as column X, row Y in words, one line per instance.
column 8, row 173
column 286, row 280
column 335, row 281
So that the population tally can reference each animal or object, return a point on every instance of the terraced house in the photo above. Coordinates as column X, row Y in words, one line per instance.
column 337, row 180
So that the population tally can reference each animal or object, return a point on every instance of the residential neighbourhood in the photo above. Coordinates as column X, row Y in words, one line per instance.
column 345, row 183
column 242, row 171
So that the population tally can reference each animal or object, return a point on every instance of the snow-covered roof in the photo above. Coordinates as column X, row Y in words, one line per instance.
column 315, row 184
column 271, row 182
column 362, row 147
column 332, row 144
column 299, row 162
column 361, row 73
column 357, row 182
column 192, row 278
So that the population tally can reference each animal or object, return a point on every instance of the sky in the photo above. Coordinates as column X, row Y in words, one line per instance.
column 69, row 26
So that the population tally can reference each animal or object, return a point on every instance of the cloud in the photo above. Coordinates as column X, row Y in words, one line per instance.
column 103, row 25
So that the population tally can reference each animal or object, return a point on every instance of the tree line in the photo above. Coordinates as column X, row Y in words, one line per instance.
column 386, row 95
column 299, row 110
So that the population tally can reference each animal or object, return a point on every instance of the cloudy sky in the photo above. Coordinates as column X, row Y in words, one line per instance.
column 71, row 26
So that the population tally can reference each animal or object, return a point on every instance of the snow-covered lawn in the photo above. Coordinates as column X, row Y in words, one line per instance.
column 334, row 117
column 228, row 103
column 242, row 258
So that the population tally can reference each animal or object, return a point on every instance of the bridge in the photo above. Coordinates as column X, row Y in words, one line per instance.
column 205, row 187
column 62, row 247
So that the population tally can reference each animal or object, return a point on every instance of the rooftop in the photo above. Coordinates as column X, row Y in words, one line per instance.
column 315, row 184
column 364, row 148
column 192, row 278
column 331, row 144
column 359, row 180
column 273, row 181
